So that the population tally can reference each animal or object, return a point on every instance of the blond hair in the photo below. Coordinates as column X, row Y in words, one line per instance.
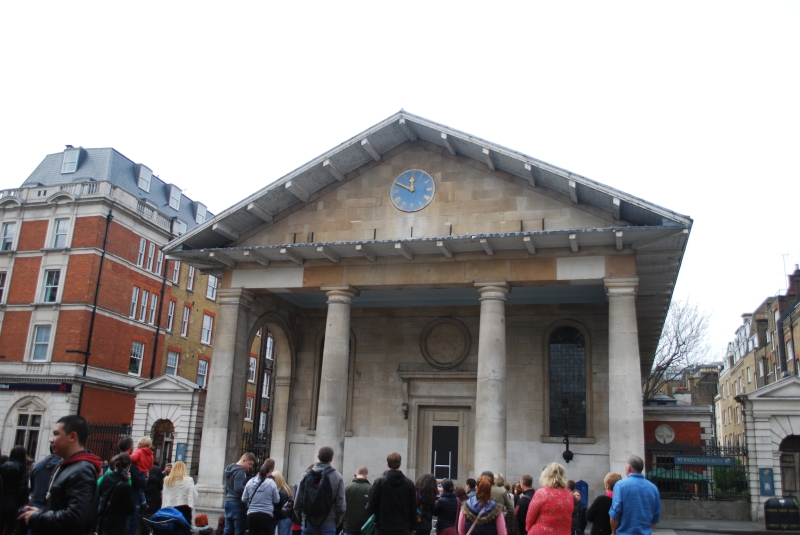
column 144, row 442
column 553, row 477
column 611, row 479
column 277, row 477
column 176, row 475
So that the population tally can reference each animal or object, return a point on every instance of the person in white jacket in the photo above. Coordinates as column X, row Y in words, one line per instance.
column 260, row 495
column 179, row 491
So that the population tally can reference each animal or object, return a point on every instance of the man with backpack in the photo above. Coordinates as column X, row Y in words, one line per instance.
column 320, row 501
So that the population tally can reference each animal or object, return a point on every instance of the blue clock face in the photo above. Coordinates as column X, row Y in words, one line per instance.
column 412, row 190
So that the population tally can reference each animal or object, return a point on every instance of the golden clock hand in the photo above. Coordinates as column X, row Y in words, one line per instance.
column 412, row 183
column 404, row 186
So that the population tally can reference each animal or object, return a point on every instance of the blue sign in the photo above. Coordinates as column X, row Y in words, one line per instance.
column 695, row 460
column 766, row 480
column 180, row 451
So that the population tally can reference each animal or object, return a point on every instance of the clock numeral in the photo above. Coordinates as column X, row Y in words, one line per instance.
column 428, row 189
column 427, row 180
column 398, row 199
column 411, row 206
column 427, row 198
column 395, row 191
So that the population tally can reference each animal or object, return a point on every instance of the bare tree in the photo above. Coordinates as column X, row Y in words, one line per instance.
column 683, row 343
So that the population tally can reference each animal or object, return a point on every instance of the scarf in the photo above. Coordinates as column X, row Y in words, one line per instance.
column 84, row 456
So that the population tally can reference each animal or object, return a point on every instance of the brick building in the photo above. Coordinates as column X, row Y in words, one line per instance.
column 90, row 309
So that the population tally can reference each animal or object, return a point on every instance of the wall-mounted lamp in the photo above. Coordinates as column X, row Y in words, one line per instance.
column 567, row 455
column 404, row 408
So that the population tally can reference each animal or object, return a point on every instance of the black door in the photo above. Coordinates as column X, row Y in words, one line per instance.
column 444, row 458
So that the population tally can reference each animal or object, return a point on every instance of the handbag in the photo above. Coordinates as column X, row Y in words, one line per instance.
column 369, row 526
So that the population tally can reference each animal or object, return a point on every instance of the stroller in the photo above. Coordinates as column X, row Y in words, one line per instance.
column 168, row 520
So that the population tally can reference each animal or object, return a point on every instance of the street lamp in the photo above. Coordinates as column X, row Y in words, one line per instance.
column 567, row 455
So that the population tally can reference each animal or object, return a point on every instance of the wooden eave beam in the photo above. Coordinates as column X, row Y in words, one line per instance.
column 291, row 255
column 487, row 246
column 293, row 188
column 618, row 239
column 364, row 251
column 573, row 191
column 616, row 203
column 259, row 212
column 529, row 245
column 257, row 257
column 328, row 253
column 531, row 178
column 329, row 167
column 573, row 242
column 487, row 157
column 222, row 258
column 404, row 250
column 406, row 128
column 224, row 230
column 447, row 144
column 445, row 249
column 370, row 149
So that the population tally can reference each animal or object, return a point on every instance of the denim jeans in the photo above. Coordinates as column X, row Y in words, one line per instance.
column 133, row 521
column 352, row 533
column 235, row 518
column 324, row 530
column 284, row 526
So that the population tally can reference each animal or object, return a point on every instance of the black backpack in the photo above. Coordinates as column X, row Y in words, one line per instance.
column 317, row 494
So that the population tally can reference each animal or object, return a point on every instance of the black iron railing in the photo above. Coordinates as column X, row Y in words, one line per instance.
column 688, row 472
column 258, row 444
column 104, row 439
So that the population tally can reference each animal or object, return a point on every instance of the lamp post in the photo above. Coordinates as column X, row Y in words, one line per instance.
column 567, row 455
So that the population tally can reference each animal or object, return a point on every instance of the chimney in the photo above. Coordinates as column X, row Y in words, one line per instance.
column 794, row 281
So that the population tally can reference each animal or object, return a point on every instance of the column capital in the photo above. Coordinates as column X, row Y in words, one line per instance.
column 621, row 286
column 340, row 294
column 235, row 297
column 492, row 290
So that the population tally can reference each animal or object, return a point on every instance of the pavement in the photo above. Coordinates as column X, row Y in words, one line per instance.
column 729, row 527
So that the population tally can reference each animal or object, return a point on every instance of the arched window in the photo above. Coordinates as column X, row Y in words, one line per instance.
column 567, row 398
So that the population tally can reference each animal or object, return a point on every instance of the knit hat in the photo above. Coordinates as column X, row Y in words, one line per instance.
column 201, row 520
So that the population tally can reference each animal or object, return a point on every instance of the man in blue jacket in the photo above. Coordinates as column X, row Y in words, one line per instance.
column 636, row 505
column 41, row 473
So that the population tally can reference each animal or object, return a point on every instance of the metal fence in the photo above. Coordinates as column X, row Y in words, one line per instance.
column 688, row 472
column 104, row 439
column 259, row 444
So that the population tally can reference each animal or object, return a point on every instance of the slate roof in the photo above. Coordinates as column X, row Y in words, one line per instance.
column 109, row 165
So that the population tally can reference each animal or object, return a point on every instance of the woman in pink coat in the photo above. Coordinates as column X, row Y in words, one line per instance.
column 550, row 511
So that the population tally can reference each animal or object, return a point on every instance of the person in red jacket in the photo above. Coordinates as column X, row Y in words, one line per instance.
column 550, row 511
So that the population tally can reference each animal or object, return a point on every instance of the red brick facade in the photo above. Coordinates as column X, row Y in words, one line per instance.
column 107, row 407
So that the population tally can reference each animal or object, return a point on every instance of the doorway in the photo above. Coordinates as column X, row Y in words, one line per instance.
column 445, row 443
column 162, row 436
column 790, row 463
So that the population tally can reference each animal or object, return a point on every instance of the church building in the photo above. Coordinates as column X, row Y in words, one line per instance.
column 438, row 295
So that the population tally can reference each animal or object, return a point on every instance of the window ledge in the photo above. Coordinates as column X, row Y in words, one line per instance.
column 54, row 249
column 54, row 304
column 135, row 374
column 573, row 440
column 205, row 344
column 8, row 251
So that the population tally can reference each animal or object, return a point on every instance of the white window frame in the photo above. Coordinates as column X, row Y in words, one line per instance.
column 265, row 386
column 248, row 409
column 749, row 375
column 190, row 281
column 142, row 249
column 32, row 433
column 3, row 284
column 144, row 178
column 173, row 358
column 206, row 334
column 185, row 321
column 153, row 305
column 69, row 163
column 9, row 238
column 251, row 370
column 47, row 344
column 211, row 290
column 176, row 271
column 134, row 302
column 159, row 261
column 47, row 285
column 202, row 365
column 789, row 350
column 761, row 368
column 150, row 254
column 270, row 347
column 143, row 306
column 171, row 316
column 60, row 230
column 137, row 354
column 174, row 197
column 200, row 213
column 262, row 422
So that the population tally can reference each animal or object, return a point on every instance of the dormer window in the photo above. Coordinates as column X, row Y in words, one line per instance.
column 200, row 213
column 70, row 162
column 144, row 177
column 175, row 197
column 178, row 227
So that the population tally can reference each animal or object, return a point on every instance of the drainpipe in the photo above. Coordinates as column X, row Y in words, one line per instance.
column 158, row 320
column 109, row 219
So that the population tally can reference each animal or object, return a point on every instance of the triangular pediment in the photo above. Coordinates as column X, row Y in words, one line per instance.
column 167, row 383
column 786, row 388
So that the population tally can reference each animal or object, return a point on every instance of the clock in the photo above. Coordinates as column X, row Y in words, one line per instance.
column 412, row 190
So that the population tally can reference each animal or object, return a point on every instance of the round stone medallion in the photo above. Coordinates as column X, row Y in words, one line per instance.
column 445, row 343
column 665, row 434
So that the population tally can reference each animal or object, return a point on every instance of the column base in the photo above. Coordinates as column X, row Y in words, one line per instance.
column 210, row 499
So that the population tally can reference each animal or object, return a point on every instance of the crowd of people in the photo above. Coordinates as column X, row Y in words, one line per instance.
column 72, row 492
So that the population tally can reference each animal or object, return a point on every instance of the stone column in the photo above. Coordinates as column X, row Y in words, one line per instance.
column 625, row 419
column 332, row 408
column 490, row 399
column 222, row 423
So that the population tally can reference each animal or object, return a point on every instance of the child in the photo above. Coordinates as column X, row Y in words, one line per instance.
column 143, row 459
column 201, row 521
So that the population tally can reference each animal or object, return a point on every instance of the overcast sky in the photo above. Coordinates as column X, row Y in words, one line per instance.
column 694, row 106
